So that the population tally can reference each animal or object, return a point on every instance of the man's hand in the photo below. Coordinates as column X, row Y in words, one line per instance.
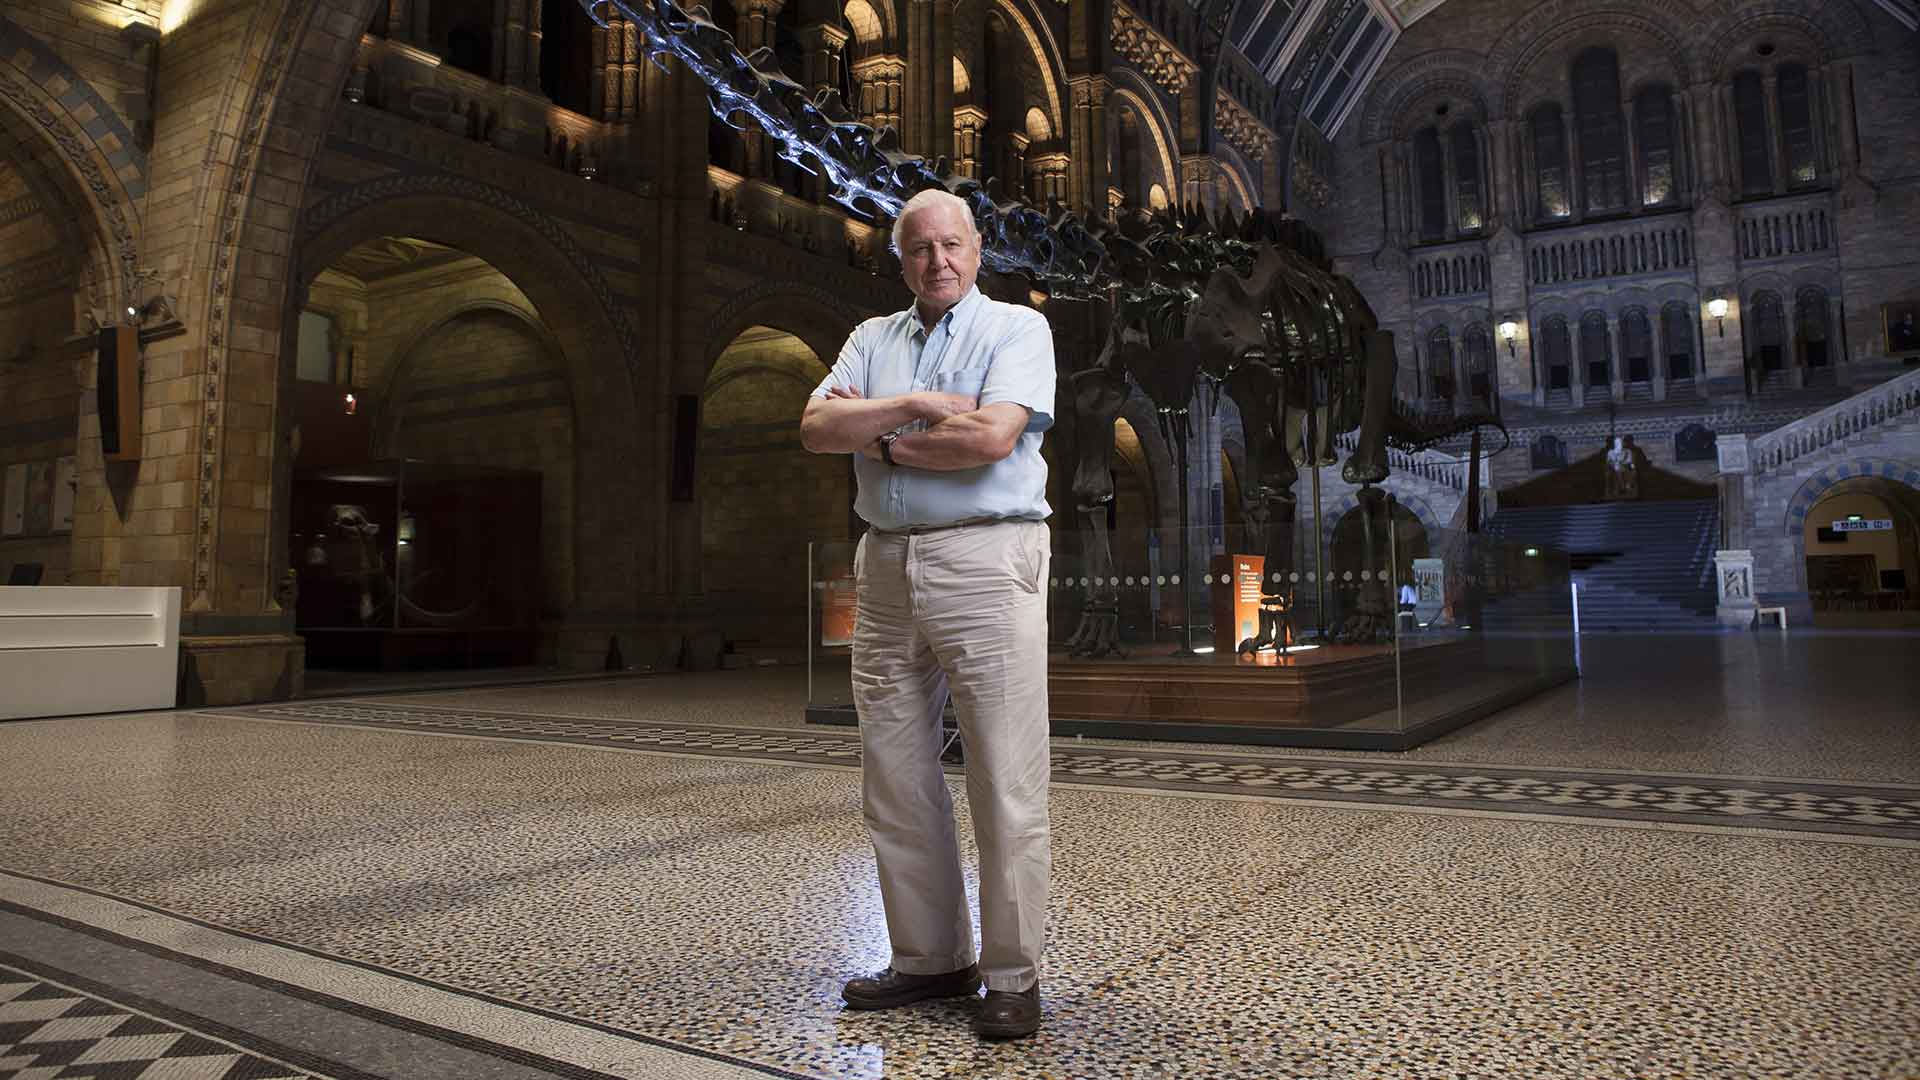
column 931, row 406
column 936, row 407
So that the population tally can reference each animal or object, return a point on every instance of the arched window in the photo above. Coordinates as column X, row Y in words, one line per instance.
column 1659, row 178
column 1603, row 135
column 1769, row 332
column 1440, row 364
column 1810, row 318
column 1556, row 353
column 1636, row 345
column 1595, row 354
column 1479, row 357
column 1469, row 209
column 1550, row 163
column 1431, row 176
column 1796, row 127
column 1676, row 333
column 1750, row 116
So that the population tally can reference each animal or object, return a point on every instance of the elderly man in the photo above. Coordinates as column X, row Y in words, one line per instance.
column 944, row 404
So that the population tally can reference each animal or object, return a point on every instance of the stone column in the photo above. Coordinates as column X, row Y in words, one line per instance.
column 1733, row 559
column 880, row 78
column 1050, row 173
column 1636, row 190
column 1842, row 75
column 968, row 122
column 927, row 102
column 1196, row 178
column 1617, row 361
column 1087, row 134
column 510, row 41
column 1015, row 181
column 1449, row 181
column 755, row 30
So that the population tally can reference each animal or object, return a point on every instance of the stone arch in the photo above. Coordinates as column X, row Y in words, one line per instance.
column 1815, row 487
column 1894, row 479
column 100, row 190
column 574, row 303
column 1834, row 29
column 1240, row 174
column 875, row 36
column 386, row 401
column 813, row 314
column 1393, row 100
column 1046, row 53
column 1559, row 25
column 1132, row 88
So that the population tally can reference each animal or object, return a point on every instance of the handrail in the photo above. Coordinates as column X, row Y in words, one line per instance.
column 1867, row 409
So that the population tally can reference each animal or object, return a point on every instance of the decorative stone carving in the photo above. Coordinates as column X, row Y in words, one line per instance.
column 1548, row 452
column 1733, row 587
column 1732, row 452
column 1145, row 49
column 1310, row 187
column 1247, row 134
column 1695, row 442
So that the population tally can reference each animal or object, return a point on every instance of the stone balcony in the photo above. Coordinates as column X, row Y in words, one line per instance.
column 1569, row 258
column 1449, row 273
column 1793, row 227
column 404, row 81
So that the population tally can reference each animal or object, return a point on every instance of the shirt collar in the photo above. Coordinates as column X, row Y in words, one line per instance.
column 965, row 304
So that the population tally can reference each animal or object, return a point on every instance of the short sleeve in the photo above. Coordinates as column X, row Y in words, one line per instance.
column 851, row 368
column 1022, row 370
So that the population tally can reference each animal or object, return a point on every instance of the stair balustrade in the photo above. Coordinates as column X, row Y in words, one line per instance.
column 1864, row 411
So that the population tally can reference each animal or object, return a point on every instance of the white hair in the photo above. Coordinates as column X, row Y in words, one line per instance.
column 928, row 198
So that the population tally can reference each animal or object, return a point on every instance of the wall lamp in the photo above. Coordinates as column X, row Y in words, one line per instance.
column 1510, row 333
column 1717, row 307
column 353, row 404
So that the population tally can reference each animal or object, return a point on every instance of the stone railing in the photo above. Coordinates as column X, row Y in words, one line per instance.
column 1863, row 411
column 1454, row 270
column 403, row 81
column 1616, row 249
column 1787, row 228
column 1430, row 465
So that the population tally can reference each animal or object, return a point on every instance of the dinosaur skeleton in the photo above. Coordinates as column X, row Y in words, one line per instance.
column 1237, row 306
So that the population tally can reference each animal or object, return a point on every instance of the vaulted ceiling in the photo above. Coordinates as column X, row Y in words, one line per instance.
column 1321, row 54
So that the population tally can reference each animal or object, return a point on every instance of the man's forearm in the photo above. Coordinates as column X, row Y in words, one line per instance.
column 967, row 441
column 845, row 425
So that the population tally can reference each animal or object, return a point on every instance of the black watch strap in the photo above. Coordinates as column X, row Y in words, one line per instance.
column 886, row 446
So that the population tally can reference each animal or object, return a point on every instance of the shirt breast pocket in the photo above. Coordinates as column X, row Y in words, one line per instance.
column 965, row 381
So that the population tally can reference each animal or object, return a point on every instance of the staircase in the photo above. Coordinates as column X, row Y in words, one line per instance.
column 1641, row 566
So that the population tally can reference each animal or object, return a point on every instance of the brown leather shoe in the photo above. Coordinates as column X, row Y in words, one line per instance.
column 891, row 989
column 1007, row 1014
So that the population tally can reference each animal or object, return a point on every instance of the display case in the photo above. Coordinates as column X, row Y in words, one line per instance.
column 1369, row 634
column 407, row 564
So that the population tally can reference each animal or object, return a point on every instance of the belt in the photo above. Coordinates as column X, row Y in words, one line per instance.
column 921, row 530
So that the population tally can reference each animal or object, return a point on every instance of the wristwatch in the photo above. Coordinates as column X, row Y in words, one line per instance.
column 886, row 446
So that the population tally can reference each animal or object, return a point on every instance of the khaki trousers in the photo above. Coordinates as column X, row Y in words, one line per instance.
column 960, row 610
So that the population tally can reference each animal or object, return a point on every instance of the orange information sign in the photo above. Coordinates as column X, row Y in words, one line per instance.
column 837, row 607
column 1236, row 592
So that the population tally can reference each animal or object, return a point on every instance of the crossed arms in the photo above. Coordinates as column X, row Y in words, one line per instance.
column 961, row 433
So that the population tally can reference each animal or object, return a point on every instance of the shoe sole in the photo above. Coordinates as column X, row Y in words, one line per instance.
column 1002, row 1032
column 931, row 994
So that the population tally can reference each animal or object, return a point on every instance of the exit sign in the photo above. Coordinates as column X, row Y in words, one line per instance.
column 1865, row 525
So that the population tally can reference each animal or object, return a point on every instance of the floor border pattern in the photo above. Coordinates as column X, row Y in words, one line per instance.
column 1836, row 808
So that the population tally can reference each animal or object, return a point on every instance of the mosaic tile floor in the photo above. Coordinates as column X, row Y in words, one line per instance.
column 1745, row 704
column 689, row 882
column 1856, row 809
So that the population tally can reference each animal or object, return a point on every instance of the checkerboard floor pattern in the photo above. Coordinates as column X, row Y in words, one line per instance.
column 48, row 1032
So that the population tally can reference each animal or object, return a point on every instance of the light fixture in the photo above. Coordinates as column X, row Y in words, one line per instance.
column 1717, row 307
column 353, row 404
column 1509, row 333
column 1533, row 553
column 1855, row 517
column 1203, row 650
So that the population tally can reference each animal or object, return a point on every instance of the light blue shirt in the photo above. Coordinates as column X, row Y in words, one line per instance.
column 981, row 348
